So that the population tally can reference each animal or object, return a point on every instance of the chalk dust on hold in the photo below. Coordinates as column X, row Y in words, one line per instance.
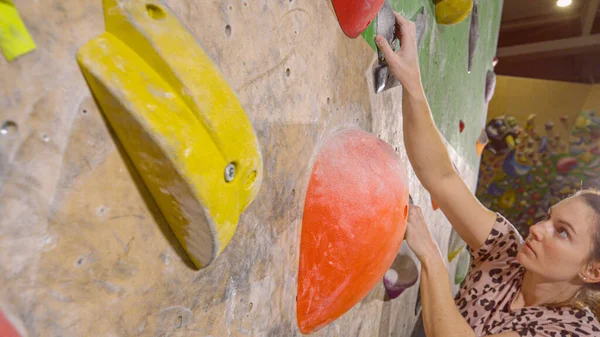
column 353, row 201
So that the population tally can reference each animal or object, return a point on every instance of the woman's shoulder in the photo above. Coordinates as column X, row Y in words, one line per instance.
column 503, row 242
column 503, row 229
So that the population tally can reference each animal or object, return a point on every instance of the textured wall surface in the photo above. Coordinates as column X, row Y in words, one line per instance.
column 84, row 250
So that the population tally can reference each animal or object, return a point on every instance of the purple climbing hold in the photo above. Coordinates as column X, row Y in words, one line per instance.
column 402, row 275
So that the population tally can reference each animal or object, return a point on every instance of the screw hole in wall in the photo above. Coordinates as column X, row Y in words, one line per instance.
column 328, row 100
column 287, row 72
column 84, row 111
column 8, row 127
column 155, row 12
column 228, row 30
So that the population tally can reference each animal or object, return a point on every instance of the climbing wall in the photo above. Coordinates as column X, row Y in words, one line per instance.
column 84, row 249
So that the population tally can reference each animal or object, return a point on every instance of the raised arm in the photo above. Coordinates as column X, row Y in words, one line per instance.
column 425, row 147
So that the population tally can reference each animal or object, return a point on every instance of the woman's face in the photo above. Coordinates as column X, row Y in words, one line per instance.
column 558, row 248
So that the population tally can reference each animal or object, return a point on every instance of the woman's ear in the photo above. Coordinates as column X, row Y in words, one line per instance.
column 591, row 273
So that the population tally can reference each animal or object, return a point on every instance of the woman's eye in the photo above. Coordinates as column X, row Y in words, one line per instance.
column 562, row 232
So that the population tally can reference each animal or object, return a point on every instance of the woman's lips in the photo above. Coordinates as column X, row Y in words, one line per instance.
column 528, row 246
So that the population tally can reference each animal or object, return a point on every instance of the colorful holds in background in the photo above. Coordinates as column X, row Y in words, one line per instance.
column 450, row 12
column 502, row 133
column 179, row 121
column 402, row 275
column 15, row 40
column 355, row 16
column 564, row 165
column 461, row 126
column 354, row 221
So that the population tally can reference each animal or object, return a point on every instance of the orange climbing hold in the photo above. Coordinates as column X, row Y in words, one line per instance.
column 6, row 328
column 354, row 220
column 355, row 16
column 481, row 142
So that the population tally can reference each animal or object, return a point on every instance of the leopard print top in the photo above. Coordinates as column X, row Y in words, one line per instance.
column 494, row 278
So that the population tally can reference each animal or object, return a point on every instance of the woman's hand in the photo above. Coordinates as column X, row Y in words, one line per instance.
column 404, row 63
column 418, row 236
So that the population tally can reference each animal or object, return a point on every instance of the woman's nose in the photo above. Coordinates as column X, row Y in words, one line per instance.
column 538, row 230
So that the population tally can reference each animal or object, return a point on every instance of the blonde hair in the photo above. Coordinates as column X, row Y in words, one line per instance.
column 589, row 295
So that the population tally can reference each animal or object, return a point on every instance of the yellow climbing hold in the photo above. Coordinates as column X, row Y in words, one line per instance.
column 453, row 253
column 450, row 12
column 14, row 37
column 178, row 120
column 455, row 246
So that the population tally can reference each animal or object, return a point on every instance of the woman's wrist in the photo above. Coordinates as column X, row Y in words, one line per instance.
column 414, row 90
column 431, row 256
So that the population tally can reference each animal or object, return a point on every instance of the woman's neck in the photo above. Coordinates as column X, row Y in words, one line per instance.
column 536, row 291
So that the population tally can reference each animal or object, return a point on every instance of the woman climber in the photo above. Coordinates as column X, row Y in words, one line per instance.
column 547, row 285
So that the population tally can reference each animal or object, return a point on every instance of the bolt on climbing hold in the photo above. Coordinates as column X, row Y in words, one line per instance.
column 229, row 172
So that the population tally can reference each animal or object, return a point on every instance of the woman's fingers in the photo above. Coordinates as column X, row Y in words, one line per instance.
column 385, row 47
column 400, row 20
column 415, row 211
column 405, row 29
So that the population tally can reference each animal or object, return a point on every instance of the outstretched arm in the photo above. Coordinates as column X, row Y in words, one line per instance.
column 425, row 147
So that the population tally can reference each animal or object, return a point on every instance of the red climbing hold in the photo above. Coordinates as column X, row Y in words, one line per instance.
column 461, row 126
column 564, row 165
column 354, row 221
column 355, row 16
column 6, row 328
